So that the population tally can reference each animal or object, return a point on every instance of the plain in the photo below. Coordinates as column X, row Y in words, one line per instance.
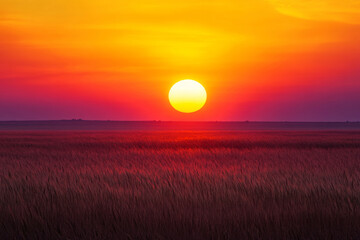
column 180, row 185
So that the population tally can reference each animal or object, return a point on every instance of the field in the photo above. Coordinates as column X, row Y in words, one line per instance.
column 180, row 185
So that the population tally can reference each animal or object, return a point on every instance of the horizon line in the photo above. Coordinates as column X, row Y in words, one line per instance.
column 185, row 121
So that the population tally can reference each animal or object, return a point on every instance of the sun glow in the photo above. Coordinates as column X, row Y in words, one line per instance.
column 187, row 96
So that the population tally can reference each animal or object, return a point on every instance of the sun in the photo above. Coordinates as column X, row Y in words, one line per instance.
column 187, row 96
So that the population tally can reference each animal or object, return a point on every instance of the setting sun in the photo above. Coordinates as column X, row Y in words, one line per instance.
column 187, row 96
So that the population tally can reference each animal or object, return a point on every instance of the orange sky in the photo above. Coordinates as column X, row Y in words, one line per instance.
column 259, row 60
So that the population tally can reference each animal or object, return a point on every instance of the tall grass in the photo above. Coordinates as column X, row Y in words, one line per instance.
column 180, row 185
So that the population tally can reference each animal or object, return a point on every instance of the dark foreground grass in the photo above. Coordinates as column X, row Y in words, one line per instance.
column 181, row 185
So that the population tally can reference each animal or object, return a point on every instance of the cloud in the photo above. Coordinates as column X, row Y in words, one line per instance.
column 347, row 11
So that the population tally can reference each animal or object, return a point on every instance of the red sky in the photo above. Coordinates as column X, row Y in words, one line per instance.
column 264, row 60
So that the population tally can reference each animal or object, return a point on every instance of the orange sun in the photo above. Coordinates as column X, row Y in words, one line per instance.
column 187, row 96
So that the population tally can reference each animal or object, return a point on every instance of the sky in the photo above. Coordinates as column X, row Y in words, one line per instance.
column 259, row 60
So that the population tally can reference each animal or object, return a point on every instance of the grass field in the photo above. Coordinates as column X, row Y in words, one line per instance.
column 180, row 185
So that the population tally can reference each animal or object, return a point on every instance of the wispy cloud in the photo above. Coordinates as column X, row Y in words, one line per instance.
column 347, row 11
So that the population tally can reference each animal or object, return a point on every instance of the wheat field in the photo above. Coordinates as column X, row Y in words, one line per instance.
column 180, row 185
